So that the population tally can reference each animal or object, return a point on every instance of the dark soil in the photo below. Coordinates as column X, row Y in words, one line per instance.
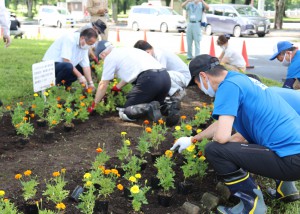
column 75, row 150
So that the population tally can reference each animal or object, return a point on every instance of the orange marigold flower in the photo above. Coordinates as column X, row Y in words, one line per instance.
column 82, row 104
column 59, row 105
column 21, row 103
column 189, row 127
column 63, row 81
column 56, row 174
column 83, row 85
column 102, row 168
column 32, row 115
column 120, row 187
column 18, row 176
column 54, row 122
column 33, row 106
column 115, row 171
column 89, row 90
column 204, row 104
column 58, row 98
column 200, row 153
column 27, row 173
column 99, row 150
column 107, row 171
column 160, row 121
column 148, row 130
column 8, row 107
column 6, row 200
column 26, row 112
column 69, row 88
column 25, row 118
column 146, row 122
column 183, row 117
column 68, row 110
column 81, row 97
column 169, row 153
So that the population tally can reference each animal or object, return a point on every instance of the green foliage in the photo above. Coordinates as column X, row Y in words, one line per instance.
column 29, row 188
column 46, row 212
column 20, row 121
column 55, row 188
column 201, row 116
column 39, row 105
column 87, row 200
column 143, row 145
column 165, row 173
column 183, row 130
column 124, row 153
column 101, row 158
column 132, row 166
column 7, row 207
column 139, row 197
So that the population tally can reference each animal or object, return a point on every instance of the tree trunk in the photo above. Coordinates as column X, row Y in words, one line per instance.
column 115, row 12
column 279, row 12
column 29, row 8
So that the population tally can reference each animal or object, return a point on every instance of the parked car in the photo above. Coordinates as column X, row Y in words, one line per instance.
column 55, row 16
column 237, row 20
column 150, row 17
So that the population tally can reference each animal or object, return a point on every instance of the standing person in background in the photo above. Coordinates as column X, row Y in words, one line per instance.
column 98, row 9
column 5, row 23
column 194, row 9
column 230, row 58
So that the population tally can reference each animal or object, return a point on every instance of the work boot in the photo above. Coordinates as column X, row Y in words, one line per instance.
column 173, row 115
column 151, row 110
column 286, row 191
column 242, row 186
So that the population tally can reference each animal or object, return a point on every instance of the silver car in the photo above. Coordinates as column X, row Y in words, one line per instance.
column 236, row 19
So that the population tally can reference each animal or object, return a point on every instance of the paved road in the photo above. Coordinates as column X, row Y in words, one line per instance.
column 258, row 49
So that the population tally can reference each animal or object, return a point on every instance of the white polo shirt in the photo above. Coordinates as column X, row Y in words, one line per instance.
column 235, row 58
column 67, row 47
column 127, row 64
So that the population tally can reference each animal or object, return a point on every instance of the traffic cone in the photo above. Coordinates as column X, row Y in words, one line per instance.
column 245, row 55
column 118, row 35
column 212, row 47
column 182, row 50
column 145, row 36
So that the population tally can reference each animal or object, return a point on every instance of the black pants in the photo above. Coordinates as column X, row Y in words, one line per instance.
column 64, row 71
column 149, row 86
column 229, row 157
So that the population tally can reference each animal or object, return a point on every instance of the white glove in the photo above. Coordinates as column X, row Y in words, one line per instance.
column 82, row 80
column 183, row 143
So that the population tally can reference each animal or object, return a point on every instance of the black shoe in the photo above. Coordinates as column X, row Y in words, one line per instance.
column 154, row 113
column 173, row 114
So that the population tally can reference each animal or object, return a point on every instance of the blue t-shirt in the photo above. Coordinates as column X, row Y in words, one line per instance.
column 261, row 116
column 294, row 68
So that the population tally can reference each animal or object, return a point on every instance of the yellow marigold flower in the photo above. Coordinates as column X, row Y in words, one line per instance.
column 202, row 158
column 59, row 105
column 204, row 105
column 6, row 200
column 183, row 117
column 135, row 189
column 188, row 127
column 138, row 175
column 33, row 106
column 82, row 104
column 21, row 103
column 115, row 171
column 18, row 176
column 8, row 107
column 120, row 187
column 54, row 122
column 81, row 97
column 32, row 115
column 25, row 118
column 27, row 173
column 161, row 121
column 35, row 95
column 169, row 153
column 194, row 156
column 118, row 175
column 2, row 192
column 132, row 179
column 17, row 125
column 56, row 174
column 148, row 130
column 107, row 171
column 115, row 81
column 191, row 148
column 199, row 130
column 68, row 110
column 197, row 108
column 61, row 206
column 177, row 128
column 87, row 175
column 88, row 183
column 127, row 142
column 123, row 134
column 102, row 168
column 46, row 93
column 146, row 122
column 26, row 112
column 99, row 150
column 63, row 170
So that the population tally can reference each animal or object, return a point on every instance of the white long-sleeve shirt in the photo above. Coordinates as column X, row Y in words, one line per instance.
column 4, row 18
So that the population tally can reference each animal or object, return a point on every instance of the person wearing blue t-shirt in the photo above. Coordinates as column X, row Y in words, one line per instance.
column 260, row 118
column 289, row 56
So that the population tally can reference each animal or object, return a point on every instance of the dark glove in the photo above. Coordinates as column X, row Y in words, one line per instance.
column 91, row 108
column 96, row 60
column 116, row 89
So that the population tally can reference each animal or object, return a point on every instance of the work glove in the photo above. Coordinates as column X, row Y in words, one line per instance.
column 92, row 107
column 96, row 60
column 116, row 89
column 182, row 143
column 82, row 80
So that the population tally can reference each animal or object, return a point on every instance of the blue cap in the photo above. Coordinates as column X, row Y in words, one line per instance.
column 281, row 46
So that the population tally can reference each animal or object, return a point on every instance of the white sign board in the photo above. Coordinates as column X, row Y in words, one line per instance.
column 43, row 75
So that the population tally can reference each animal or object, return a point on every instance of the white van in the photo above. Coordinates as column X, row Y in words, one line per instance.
column 150, row 17
column 55, row 16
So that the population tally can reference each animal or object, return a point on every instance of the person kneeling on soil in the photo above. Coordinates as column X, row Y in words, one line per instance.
column 151, row 82
column 259, row 117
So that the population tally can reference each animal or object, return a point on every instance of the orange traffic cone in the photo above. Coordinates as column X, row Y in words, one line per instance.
column 182, row 50
column 145, row 36
column 118, row 35
column 212, row 47
column 245, row 55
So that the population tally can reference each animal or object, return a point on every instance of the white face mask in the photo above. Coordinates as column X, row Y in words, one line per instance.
column 210, row 91
column 285, row 62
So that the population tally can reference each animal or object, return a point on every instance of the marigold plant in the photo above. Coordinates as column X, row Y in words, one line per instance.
column 29, row 184
column 165, row 172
